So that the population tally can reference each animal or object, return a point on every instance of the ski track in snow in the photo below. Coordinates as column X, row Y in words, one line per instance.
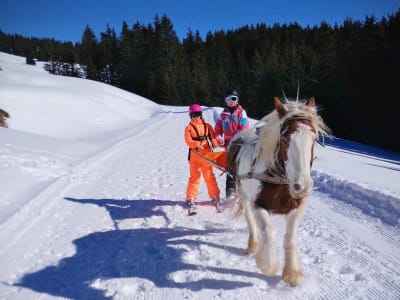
column 126, row 240
column 377, row 204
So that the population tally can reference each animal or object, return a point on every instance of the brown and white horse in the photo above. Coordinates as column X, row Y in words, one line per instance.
column 272, row 163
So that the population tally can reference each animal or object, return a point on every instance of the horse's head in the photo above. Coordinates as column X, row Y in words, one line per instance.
column 299, row 126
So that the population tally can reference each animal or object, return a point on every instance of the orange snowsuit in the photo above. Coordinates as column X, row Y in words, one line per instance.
column 197, row 134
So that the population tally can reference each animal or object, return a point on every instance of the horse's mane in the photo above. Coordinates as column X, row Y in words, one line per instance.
column 266, row 132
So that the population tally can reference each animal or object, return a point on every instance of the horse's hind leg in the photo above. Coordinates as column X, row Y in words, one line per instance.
column 267, row 258
column 292, row 271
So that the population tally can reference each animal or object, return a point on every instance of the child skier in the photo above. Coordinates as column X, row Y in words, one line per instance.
column 198, row 136
column 231, row 120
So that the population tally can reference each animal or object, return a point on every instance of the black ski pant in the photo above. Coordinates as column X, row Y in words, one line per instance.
column 230, row 187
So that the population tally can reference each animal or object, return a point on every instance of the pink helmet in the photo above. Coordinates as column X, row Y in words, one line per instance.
column 194, row 108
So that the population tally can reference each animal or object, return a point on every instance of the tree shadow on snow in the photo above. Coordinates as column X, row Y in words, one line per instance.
column 121, row 209
column 154, row 254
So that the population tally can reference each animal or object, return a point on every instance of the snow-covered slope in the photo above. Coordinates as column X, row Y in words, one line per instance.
column 92, row 183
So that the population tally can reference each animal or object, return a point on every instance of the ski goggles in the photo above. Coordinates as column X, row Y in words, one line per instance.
column 232, row 99
column 196, row 114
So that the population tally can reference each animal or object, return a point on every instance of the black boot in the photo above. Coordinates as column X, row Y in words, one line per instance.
column 230, row 187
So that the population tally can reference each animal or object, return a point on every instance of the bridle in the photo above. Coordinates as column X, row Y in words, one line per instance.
column 285, row 127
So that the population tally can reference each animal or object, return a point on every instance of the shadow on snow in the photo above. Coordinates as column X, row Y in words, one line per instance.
column 130, row 209
column 152, row 253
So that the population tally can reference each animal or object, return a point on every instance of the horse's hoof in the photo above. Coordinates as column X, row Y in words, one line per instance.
column 293, row 277
column 269, row 271
column 267, row 265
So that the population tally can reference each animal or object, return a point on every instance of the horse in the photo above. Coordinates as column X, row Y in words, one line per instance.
column 272, row 163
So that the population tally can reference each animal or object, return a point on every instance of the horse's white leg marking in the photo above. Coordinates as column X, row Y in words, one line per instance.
column 254, row 239
column 248, row 191
column 298, row 166
column 247, row 201
column 267, row 258
column 291, row 270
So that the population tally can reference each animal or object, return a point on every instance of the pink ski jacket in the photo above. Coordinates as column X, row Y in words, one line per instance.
column 228, row 124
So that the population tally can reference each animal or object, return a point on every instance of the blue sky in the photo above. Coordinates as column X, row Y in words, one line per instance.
column 65, row 20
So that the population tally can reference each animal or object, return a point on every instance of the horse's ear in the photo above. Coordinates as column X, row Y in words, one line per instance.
column 280, row 108
column 311, row 101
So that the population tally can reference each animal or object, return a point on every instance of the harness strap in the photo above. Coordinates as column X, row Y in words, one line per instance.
column 200, row 137
column 264, row 178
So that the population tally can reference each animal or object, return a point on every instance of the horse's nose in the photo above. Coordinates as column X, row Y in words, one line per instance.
column 297, row 187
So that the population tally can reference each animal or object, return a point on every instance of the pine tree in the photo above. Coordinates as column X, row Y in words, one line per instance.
column 109, row 57
column 29, row 56
column 88, row 53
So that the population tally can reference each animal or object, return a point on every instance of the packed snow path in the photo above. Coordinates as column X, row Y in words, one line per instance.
column 114, row 227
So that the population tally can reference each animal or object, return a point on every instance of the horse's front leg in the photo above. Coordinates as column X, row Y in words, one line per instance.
column 267, row 258
column 292, row 272
column 248, row 207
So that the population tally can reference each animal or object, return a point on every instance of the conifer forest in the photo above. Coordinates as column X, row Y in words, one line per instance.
column 352, row 69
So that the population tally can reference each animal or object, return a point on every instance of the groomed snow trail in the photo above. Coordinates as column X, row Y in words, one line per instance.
column 115, row 228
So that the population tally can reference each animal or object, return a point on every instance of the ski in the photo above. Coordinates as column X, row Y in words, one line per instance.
column 192, row 211
column 219, row 207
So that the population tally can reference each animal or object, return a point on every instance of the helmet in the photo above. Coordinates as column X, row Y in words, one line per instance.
column 231, row 93
column 231, row 96
column 194, row 108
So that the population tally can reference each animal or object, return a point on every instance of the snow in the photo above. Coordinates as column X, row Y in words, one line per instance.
column 92, row 183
